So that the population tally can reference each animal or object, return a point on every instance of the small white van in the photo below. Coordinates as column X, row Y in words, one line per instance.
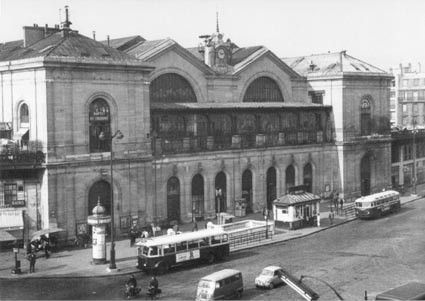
column 224, row 284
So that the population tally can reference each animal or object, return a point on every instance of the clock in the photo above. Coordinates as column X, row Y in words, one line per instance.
column 221, row 53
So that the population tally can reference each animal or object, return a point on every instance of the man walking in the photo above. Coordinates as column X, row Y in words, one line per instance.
column 32, row 259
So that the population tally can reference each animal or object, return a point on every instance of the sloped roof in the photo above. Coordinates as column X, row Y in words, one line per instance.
column 241, row 54
column 293, row 199
column 195, row 52
column 124, row 43
column 143, row 49
column 72, row 44
column 336, row 63
column 232, row 105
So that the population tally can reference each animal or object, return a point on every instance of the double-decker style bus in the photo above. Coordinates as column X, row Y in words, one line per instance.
column 158, row 254
column 377, row 204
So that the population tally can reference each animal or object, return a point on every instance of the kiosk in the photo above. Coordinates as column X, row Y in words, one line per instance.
column 99, row 221
column 296, row 210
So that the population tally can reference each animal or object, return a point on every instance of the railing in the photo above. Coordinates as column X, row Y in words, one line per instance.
column 19, row 157
column 255, row 236
column 176, row 145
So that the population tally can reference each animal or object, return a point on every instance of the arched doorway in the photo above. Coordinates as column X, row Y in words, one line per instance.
column 101, row 190
column 247, row 189
column 220, row 192
column 308, row 177
column 365, row 175
column 173, row 199
column 290, row 177
column 198, row 197
column 271, row 187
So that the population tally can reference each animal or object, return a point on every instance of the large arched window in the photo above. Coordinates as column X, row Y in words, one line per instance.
column 173, row 199
column 365, row 117
column 24, row 116
column 197, row 197
column 290, row 177
column 171, row 87
column 99, row 121
column 263, row 89
column 308, row 177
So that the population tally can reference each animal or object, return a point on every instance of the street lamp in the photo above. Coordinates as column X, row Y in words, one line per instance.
column 414, row 154
column 102, row 136
column 324, row 282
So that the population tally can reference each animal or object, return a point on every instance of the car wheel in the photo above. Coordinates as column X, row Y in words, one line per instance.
column 271, row 285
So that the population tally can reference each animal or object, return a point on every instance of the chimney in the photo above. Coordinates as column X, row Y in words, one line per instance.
column 94, row 35
column 107, row 37
column 66, row 26
column 33, row 34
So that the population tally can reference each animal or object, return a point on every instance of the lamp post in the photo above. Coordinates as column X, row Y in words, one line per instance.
column 414, row 154
column 102, row 136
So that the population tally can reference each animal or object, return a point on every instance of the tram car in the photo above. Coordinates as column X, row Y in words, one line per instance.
column 377, row 204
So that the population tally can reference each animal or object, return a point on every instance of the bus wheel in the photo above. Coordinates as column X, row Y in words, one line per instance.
column 162, row 268
column 211, row 258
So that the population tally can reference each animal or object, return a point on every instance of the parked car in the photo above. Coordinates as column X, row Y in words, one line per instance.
column 269, row 277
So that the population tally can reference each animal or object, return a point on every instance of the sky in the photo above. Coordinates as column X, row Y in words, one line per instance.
column 383, row 33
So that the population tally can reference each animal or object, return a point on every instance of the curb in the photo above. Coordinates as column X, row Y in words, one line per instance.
column 137, row 271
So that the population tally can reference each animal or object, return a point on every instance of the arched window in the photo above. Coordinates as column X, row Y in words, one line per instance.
column 197, row 197
column 365, row 118
column 263, row 89
column 24, row 116
column 100, row 191
column 99, row 121
column 365, row 175
column 247, row 191
column 171, row 87
column 271, row 187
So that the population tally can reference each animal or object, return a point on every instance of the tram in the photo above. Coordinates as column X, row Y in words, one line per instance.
column 377, row 204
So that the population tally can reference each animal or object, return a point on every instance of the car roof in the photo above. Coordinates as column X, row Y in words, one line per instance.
column 220, row 274
column 408, row 291
column 272, row 268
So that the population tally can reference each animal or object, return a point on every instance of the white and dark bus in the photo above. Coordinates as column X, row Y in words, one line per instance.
column 378, row 204
column 158, row 254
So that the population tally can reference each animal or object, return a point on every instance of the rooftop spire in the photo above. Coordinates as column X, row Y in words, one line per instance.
column 67, row 23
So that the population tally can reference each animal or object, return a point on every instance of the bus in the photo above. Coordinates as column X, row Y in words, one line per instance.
column 158, row 254
column 378, row 204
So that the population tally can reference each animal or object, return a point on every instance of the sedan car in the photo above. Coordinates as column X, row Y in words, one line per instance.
column 269, row 277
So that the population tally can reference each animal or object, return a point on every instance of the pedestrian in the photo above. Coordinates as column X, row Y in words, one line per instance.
column 32, row 258
column 331, row 217
column 335, row 201
column 133, row 234
column 195, row 227
column 46, row 249
column 341, row 203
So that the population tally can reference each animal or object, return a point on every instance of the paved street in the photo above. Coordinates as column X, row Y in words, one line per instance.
column 354, row 257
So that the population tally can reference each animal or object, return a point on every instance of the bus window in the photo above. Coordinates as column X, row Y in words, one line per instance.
column 169, row 249
column 182, row 246
column 204, row 242
column 224, row 238
column 145, row 251
column 153, row 251
column 193, row 244
column 215, row 240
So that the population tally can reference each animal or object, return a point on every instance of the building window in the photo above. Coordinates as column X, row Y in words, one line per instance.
column 24, row 116
column 10, row 194
column 409, row 95
column 392, row 94
column 408, row 155
column 405, row 82
column 263, row 89
column 99, row 122
column 415, row 109
column 404, row 108
column 421, row 95
column 365, row 117
column 416, row 82
column 395, row 153
column 171, row 88
column 316, row 96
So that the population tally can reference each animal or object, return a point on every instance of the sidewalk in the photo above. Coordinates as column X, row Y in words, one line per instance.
column 76, row 262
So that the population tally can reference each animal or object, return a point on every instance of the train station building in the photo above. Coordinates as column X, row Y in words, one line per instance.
column 201, row 127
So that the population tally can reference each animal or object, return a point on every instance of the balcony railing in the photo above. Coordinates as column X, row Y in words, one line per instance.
column 173, row 145
column 12, row 156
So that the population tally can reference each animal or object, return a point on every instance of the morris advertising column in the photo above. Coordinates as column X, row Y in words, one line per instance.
column 99, row 221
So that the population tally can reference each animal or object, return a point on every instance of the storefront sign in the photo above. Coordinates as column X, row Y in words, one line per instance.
column 187, row 256
column 18, row 203
column 10, row 218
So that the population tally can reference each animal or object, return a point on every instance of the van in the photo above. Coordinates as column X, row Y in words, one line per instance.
column 223, row 284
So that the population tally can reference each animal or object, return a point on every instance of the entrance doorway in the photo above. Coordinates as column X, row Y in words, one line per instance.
column 173, row 199
column 101, row 190
column 308, row 177
column 220, row 196
column 365, row 175
column 247, row 189
column 271, row 187
column 290, row 177
column 198, row 197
